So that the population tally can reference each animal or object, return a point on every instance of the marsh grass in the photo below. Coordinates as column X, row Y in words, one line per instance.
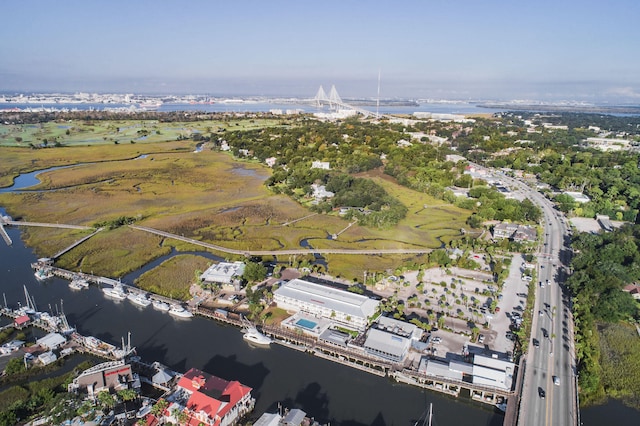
column 173, row 277
column 49, row 241
column 207, row 196
column 114, row 253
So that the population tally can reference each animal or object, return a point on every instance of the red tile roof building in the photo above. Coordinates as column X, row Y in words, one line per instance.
column 21, row 321
column 210, row 400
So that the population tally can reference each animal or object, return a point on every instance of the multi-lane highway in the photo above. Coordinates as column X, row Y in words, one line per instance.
column 549, row 390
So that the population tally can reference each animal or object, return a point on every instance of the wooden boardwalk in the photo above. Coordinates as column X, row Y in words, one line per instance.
column 5, row 236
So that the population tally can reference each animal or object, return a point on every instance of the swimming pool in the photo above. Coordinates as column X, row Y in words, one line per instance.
column 305, row 323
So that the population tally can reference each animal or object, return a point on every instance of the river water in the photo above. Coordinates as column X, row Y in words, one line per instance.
column 263, row 106
column 328, row 391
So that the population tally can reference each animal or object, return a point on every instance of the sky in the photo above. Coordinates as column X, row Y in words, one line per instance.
column 546, row 50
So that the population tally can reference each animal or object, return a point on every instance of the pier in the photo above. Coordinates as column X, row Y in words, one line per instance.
column 76, row 244
column 5, row 236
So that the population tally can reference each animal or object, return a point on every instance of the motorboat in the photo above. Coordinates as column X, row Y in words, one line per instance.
column 43, row 274
column 179, row 311
column 139, row 299
column 252, row 335
column 78, row 284
column 98, row 345
column 161, row 306
column 116, row 292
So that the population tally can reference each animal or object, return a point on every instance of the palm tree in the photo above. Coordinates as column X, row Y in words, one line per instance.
column 180, row 415
column 159, row 407
column 106, row 399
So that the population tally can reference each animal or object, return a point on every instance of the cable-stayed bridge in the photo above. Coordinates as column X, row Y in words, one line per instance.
column 335, row 102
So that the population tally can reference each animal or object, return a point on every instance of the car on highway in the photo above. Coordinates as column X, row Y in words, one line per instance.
column 556, row 380
column 541, row 393
column 536, row 343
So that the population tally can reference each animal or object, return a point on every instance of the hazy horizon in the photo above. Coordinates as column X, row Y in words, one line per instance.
column 467, row 50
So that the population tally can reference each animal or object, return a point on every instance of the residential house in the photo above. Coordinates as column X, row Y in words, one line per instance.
column 325, row 165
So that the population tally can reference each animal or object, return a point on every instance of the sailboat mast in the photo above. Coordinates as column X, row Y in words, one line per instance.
column 378, row 100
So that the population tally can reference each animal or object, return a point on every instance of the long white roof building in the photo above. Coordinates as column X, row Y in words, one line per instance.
column 351, row 309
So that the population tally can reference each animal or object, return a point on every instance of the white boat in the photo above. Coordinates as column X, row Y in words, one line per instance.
column 42, row 274
column 139, row 299
column 161, row 306
column 115, row 292
column 79, row 284
column 98, row 345
column 252, row 335
column 179, row 311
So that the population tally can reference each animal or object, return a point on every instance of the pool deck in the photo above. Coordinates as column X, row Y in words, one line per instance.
column 321, row 324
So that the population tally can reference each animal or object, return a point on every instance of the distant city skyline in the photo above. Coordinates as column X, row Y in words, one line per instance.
column 581, row 50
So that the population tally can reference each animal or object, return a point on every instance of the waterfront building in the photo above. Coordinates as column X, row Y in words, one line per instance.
column 452, row 370
column 22, row 321
column 386, row 345
column 225, row 273
column 51, row 341
column 210, row 400
column 268, row 419
column 109, row 376
column 391, row 339
column 343, row 307
column 489, row 371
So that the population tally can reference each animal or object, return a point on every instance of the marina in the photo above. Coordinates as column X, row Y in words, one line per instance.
column 227, row 354
column 352, row 357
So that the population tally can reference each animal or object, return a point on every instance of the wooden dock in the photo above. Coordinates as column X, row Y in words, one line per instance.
column 5, row 236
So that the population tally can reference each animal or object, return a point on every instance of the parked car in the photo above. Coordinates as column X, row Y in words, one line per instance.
column 481, row 338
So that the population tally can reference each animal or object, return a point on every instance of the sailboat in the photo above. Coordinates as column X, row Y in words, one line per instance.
column 30, row 308
column 427, row 420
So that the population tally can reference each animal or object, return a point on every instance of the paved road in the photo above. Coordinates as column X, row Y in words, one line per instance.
column 552, row 328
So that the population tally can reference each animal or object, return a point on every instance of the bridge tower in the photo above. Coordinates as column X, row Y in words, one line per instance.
column 321, row 97
column 334, row 98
